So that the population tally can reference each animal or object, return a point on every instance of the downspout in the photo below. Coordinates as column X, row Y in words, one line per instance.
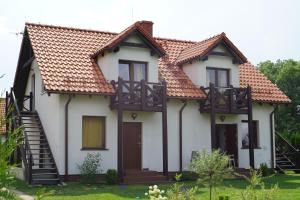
column 66, row 138
column 180, row 134
column 272, row 136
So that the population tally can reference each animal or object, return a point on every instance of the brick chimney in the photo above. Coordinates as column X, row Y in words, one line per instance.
column 147, row 26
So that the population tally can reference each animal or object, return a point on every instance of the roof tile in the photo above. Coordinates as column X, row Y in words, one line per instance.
column 63, row 57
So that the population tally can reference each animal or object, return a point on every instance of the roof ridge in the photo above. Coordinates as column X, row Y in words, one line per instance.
column 173, row 39
column 68, row 28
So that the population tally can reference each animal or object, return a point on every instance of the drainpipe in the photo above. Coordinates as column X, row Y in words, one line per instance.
column 272, row 136
column 180, row 134
column 66, row 138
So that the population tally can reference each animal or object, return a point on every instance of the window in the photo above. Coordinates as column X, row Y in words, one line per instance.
column 245, row 135
column 132, row 70
column 219, row 77
column 93, row 132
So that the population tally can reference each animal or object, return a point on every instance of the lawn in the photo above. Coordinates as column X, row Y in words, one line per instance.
column 289, row 189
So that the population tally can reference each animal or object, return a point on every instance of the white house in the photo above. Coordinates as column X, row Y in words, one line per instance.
column 144, row 103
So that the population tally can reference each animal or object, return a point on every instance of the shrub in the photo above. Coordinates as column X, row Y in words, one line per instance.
column 154, row 193
column 188, row 176
column 224, row 197
column 111, row 177
column 252, row 193
column 180, row 192
column 90, row 167
column 212, row 168
column 265, row 170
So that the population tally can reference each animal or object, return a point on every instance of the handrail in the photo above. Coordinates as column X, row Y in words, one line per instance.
column 287, row 142
column 26, row 145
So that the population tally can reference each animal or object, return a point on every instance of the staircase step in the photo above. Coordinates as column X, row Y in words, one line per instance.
column 45, row 181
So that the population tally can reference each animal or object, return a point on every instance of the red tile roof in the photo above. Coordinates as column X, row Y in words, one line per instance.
column 63, row 57
column 202, row 48
column 263, row 90
column 2, row 116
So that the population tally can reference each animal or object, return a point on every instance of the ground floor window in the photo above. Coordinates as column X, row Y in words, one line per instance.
column 93, row 132
column 245, row 134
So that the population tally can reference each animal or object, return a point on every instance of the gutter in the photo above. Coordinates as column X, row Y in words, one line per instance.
column 272, row 136
column 180, row 134
column 67, row 138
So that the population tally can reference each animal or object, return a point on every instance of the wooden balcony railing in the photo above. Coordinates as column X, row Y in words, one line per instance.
column 228, row 100
column 139, row 95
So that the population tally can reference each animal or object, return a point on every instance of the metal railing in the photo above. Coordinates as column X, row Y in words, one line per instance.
column 17, row 123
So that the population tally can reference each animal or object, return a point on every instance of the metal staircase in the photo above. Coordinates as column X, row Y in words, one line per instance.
column 287, row 156
column 37, row 158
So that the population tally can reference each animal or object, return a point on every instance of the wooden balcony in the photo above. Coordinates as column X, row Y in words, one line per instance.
column 139, row 96
column 229, row 100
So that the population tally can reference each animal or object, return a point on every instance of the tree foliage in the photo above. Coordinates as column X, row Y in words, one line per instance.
column 286, row 75
column 212, row 168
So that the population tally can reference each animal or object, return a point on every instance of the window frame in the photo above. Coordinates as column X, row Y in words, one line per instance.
column 216, row 69
column 256, row 145
column 131, row 66
column 104, row 135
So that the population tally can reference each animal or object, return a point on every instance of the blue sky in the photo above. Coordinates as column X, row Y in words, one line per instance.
column 261, row 29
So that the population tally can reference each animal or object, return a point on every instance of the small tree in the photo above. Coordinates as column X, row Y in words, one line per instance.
column 212, row 168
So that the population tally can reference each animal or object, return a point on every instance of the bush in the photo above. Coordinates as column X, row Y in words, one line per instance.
column 224, row 197
column 256, row 189
column 90, row 167
column 111, row 177
column 265, row 170
column 188, row 176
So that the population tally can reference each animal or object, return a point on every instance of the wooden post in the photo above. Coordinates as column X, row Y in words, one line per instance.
column 120, row 129
column 165, row 129
column 143, row 94
column 212, row 117
column 6, row 114
column 250, row 128
column 30, row 101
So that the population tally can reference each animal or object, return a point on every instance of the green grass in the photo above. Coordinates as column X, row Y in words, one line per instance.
column 289, row 189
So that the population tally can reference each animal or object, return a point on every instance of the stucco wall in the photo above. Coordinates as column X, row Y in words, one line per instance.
column 49, row 111
column 109, row 64
column 197, row 70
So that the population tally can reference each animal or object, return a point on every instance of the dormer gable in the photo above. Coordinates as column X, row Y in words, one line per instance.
column 138, row 29
column 201, row 50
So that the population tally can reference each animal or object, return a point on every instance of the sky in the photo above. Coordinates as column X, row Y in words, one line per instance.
column 261, row 29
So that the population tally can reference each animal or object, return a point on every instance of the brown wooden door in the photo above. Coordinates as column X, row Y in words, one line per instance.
column 132, row 145
column 232, row 141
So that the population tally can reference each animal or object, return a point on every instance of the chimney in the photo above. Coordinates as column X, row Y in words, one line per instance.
column 147, row 26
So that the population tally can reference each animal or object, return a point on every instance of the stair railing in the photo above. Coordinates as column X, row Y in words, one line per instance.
column 285, row 148
column 26, row 153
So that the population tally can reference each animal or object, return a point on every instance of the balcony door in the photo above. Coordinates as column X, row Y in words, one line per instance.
column 132, row 70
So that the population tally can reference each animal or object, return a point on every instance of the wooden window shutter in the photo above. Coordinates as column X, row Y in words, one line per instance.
column 93, row 132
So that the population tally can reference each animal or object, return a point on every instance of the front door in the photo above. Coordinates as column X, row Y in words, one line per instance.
column 132, row 145
column 227, row 140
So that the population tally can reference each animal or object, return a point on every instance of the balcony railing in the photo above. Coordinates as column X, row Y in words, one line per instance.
column 138, row 95
column 229, row 100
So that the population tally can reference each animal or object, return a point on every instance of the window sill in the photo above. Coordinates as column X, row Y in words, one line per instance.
column 253, row 147
column 93, row 149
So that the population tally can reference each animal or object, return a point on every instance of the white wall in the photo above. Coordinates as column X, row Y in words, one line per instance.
column 109, row 64
column 197, row 70
column 49, row 111
column 196, row 132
